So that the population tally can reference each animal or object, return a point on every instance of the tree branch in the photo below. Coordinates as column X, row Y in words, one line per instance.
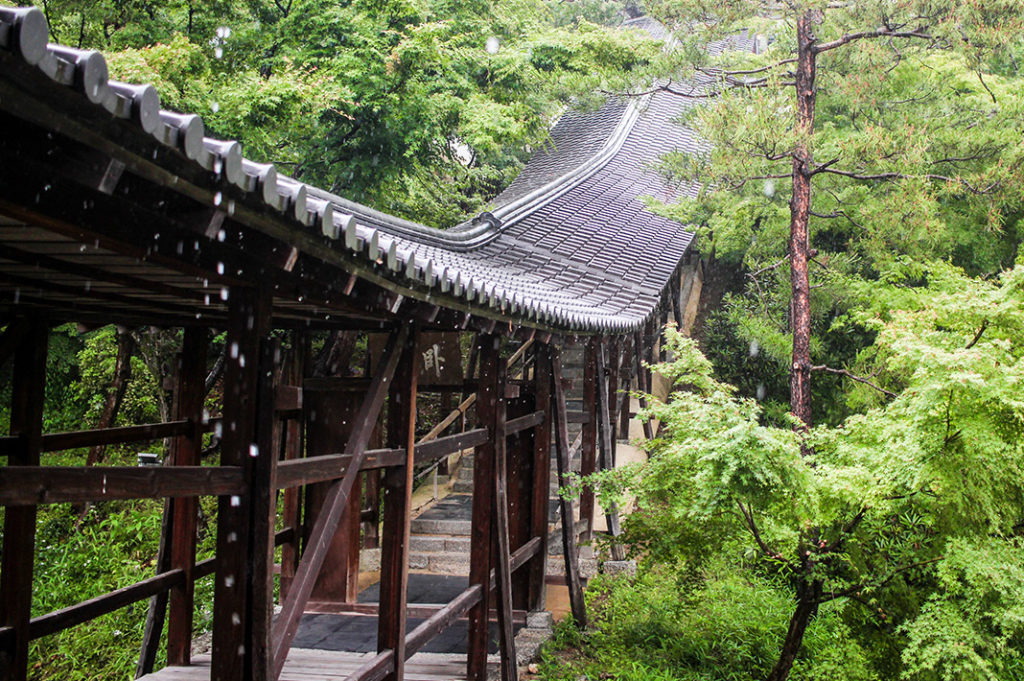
column 854, row 377
column 863, row 585
column 823, row 168
column 883, row 32
column 977, row 336
column 748, row 516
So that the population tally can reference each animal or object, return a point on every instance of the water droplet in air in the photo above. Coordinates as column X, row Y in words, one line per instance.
column 492, row 45
column 236, row 501
column 218, row 52
column 755, row 348
column 217, row 198
column 223, row 292
column 254, row 450
column 214, row 107
column 234, row 350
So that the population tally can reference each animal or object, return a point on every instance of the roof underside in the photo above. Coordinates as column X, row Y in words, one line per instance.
column 570, row 245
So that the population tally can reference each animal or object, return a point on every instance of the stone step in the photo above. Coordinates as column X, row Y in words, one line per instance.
column 460, row 528
column 438, row 543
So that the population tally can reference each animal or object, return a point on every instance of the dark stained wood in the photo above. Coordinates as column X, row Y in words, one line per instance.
column 540, row 493
column 11, row 338
column 397, row 492
column 319, row 537
column 27, row 396
column 588, row 442
column 526, row 422
column 572, row 574
column 606, row 450
column 519, row 464
column 481, row 535
column 22, row 485
column 333, row 466
column 500, row 527
column 56, row 442
column 249, row 312
column 330, row 420
column 613, row 349
column 59, row 620
column 292, row 446
column 621, row 399
column 263, row 506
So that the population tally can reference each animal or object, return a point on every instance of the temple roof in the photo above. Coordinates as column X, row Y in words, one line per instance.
column 569, row 245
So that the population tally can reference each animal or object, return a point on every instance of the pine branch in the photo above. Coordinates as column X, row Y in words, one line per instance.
column 882, row 32
column 854, row 377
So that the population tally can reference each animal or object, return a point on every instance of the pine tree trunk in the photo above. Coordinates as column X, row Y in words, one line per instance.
column 808, row 595
column 122, row 375
column 800, row 210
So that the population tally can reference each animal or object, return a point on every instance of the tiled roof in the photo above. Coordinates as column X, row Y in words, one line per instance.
column 570, row 244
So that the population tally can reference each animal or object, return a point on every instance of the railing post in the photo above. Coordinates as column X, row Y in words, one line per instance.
column 27, row 396
column 248, row 322
column 481, row 545
column 185, row 451
column 397, row 490
column 588, row 442
column 541, row 483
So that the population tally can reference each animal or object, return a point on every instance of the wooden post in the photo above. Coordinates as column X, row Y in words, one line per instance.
column 643, row 384
column 520, row 485
column 614, row 349
column 540, row 491
column 500, row 528
column 292, row 445
column 607, row 447
column 263, row 494
column 27, row 396
column 480, row 558
column 561, row 426
column 397, row 488
column 248, row 321
column 622, row 399
column 588, row 442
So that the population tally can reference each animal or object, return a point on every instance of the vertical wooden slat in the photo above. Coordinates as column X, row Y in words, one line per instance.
column 500, row 527
column 248, row 319
column 611, row 374
column 185, row 451
column 480, row 554
column 626, row 374
column 520, row 457
column 397, row 488
column 540, row 493
column 561, row 427
column 606, row 449
column 371, row 502
column 27, row 397
column 262, row 491
column 588, row 441
column 292, row 447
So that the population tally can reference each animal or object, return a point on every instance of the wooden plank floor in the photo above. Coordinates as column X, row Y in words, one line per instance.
column 329, row 665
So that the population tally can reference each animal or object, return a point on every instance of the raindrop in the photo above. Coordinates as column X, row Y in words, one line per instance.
column 221, row 235
column 241, row 651
column 214, row 107
column 492, row 45
column 241, row 361
column 217, row 198
column 254, row 450
column 761, row 391
column 81, row 249
column 236, row 501
column 206, row 416
column 220, row 268
column 755, row 349
column 223, row 292
column 232, row 537
column 218, row 52
column 17, row 295
column 229, row 580
column 218, row 430
column 88, row 285
column 223, row 32
column 206, row 301
column 231, row 207
column 769, row 188
column 234, row 350
column 235, row 619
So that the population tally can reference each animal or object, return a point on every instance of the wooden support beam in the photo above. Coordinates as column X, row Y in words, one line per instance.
column 613, row 363
column 540, row 487
column 334, row 502
column 500, row 528
column 606, row 458
column 56, row 442
column 249, row 316
column 441, row 620
column 24, row 485
column 588, row 432
column 398, row 482
column 263, row 507
column 572, row 574
column 292, row 445
column 16, row 564
column 481, row 534
column 65, row 618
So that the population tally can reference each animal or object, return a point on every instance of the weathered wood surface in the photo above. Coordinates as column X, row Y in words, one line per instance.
column 606, row 450
column 397, row 488
column 57, row 442
column 500, row 528
column 24, row 485
column 325, row 665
